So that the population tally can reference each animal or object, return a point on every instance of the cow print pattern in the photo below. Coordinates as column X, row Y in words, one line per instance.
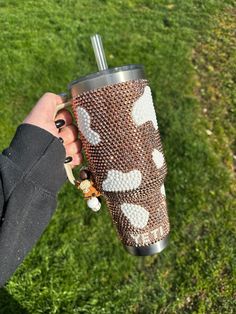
column 118, row 181
column 127, row 164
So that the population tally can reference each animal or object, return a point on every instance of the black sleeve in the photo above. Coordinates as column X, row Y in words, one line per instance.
column 31, row 174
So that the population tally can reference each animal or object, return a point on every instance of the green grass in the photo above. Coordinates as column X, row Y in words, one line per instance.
column 188, row 49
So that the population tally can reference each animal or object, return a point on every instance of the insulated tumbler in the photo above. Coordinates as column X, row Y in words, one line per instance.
column 119, row 131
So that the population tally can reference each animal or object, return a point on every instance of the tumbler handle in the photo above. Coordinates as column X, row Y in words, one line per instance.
column 68, row 168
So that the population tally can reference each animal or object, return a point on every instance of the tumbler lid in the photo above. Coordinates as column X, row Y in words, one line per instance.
column 106, row 77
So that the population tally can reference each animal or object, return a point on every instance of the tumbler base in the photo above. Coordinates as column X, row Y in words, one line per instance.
column 148, row 250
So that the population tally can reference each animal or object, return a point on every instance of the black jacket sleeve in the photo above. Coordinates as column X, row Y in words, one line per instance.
column 31, row 174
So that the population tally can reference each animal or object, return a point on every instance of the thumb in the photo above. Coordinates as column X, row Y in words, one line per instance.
column 43, row 112
column 46, row 106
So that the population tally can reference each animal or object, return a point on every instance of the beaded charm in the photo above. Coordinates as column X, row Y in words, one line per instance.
column 94, row 204
column 89, row 191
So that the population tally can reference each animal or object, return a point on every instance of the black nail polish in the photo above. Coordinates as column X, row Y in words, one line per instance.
column 61, row 139
column 68, row 159
column 59, row 123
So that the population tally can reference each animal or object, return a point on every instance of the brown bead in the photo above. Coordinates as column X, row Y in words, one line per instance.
column 84, row 174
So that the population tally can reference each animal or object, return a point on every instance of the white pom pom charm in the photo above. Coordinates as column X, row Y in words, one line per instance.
column 94, row 204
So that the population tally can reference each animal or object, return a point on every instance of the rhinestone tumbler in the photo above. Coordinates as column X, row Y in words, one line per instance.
column 119, row 131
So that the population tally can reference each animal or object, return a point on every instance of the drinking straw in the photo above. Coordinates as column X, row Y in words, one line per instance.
column 99, row 52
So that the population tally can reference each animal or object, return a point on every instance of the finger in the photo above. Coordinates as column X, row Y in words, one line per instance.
column 64, row 115
column 77, row 159
column 69, row 134
column 73, row 148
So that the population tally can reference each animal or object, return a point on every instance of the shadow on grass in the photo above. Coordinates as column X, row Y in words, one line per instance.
column 8, row 305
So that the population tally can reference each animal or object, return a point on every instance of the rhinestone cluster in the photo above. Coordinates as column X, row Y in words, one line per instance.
column 124, row 147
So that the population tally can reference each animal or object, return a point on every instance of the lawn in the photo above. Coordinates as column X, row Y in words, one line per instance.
column 188, row 49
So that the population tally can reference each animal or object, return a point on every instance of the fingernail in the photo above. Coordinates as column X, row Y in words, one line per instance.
column 61, row 139
column 68, row 159
column 59, row 123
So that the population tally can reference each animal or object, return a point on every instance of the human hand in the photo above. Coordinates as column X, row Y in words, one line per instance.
column 42, row 115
